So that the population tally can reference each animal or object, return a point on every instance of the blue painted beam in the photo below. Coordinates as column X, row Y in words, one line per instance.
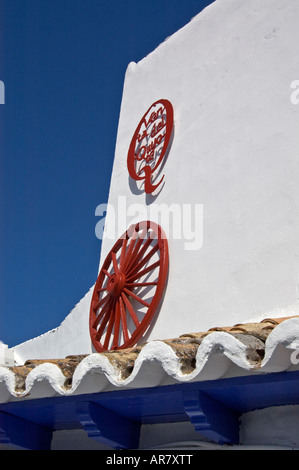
column 211, row 418
column 164, row 404
column 23, row 433
column 108, row 427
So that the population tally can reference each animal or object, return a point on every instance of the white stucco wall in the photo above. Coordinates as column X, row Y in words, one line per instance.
column 273, row 428
column 276, row 426
column 228, row 75
column 234, row 151
column 70, row 337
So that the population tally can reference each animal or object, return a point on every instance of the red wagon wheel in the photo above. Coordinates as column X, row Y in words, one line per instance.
column 129, row 287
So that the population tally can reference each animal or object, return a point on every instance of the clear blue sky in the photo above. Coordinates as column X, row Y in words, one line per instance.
column 63, row 64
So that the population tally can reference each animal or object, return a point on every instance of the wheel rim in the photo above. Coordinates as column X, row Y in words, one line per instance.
column 129, row 287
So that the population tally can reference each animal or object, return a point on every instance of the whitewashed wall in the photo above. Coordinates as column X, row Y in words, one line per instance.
column 235, row 152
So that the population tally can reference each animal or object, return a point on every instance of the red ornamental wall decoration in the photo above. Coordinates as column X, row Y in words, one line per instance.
column 149, row 144
column 129, row 288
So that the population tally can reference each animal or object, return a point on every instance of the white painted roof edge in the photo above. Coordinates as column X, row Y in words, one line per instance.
column 219, row 355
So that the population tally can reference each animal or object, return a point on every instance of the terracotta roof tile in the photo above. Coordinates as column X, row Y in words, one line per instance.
column 123, row 359
column 66, row 365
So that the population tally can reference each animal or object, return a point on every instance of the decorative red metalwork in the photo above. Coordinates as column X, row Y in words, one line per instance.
column 129, row 287
column 149, row 144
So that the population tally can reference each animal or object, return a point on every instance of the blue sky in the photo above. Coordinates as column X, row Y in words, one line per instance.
column 63, row 64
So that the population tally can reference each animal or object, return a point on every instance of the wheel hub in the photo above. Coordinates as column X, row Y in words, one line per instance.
column 116, row 284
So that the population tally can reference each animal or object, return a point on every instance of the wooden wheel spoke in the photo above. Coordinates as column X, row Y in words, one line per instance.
column 136, row 297
column 116, row 325
column 123, row 254
column 141, row 284
column 110, row 326
column 114, row 261
column 99, row 291
column 102, row 312
column 136, row 249
column 144, row 271
column 139, row 255
column 104, row 322
column 123, row 319
column 144, row 260
column 130, row 309
column 130, row 249
column 106, row 272
column 101, row 302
